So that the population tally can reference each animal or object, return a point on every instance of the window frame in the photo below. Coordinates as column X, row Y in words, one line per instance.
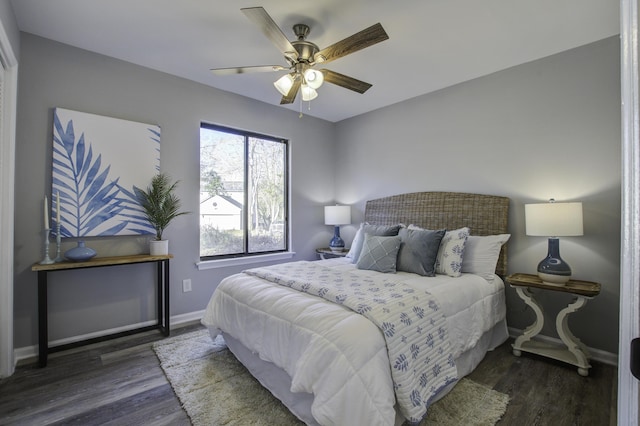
column 222, row 260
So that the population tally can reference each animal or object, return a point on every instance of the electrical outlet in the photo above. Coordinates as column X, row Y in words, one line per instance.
column 186, row 285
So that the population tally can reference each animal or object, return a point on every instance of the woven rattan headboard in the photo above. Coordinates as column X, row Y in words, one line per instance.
column 483, row 214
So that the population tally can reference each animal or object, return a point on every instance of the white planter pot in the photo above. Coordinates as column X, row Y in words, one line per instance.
column 158, row 247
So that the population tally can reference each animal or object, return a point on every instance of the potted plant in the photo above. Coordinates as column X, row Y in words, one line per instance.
column 160, row 206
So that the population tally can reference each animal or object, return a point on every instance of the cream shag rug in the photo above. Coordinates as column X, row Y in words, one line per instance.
column 215, row 389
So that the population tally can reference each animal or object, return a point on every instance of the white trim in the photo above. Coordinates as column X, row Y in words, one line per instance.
column 628, row 394
column 9, row 63
column 246, row 260
column 596, row 354
column 175, row 321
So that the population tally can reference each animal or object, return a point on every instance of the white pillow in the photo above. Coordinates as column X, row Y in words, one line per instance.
column 451, row 251
column 356, row 244
column 481, row 254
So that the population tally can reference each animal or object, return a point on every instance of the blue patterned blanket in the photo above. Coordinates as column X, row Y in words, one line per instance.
column 411, row 321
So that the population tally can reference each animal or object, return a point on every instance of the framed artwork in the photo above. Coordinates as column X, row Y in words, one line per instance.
column 97, row 161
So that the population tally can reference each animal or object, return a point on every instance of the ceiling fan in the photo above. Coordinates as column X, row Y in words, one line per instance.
column 302, row 56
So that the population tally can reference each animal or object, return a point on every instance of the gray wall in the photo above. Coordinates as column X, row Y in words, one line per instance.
column 56, row 75
column 549, row 128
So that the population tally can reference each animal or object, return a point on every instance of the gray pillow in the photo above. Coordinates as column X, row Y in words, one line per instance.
column 419, row 250
column 377, row 230
column 379, row 253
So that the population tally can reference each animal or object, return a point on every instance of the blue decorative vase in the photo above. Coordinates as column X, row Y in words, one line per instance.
column 80, row 253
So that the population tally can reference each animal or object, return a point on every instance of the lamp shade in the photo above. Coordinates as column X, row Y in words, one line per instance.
column 553, row 219
column 308, row 93
column 337, row 215
column 313, row 78
column 284, row 84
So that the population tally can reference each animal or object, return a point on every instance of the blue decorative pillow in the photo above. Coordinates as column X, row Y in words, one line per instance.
column 379, row 253
column 365, row 228
column 419, row 250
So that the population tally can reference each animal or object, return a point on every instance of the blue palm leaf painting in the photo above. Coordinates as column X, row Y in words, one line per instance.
column 95, row 193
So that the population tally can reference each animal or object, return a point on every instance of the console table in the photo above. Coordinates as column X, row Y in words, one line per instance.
column 162, row 296
column 574, row 351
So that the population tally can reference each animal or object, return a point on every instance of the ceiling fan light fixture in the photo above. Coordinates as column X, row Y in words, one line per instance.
column 308, row 93
column 302, row 55
column 284, row 84
column 313, row 78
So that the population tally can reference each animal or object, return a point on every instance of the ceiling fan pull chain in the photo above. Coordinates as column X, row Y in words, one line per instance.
column 300, row 116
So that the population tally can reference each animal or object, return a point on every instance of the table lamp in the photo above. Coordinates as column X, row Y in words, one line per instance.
column 336, row 216
column 553, row 220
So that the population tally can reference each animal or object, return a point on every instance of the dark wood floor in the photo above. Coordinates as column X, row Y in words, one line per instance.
column 547, row 392
column 121, row 383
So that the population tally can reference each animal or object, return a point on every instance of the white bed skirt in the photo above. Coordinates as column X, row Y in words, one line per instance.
column 278, row 382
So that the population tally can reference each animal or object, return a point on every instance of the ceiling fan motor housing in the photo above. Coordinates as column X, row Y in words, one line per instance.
column 306, row 50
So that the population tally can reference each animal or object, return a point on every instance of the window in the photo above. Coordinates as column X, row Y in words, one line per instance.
column 243, row 193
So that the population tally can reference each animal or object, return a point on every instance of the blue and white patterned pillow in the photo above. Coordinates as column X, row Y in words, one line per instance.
column 379, row 253
column 451, row 252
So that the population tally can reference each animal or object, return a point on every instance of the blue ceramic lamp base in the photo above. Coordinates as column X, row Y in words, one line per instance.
column 552, row 269
column 336, row 244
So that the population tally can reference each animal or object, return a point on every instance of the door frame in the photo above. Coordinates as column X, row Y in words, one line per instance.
column 8, row 109
column 630, row 224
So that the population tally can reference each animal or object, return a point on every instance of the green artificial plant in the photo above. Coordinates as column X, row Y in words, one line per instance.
column 159, row 203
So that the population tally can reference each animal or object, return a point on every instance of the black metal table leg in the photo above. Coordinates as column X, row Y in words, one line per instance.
column 167, row 314
column 43, row 326
column 160, row 293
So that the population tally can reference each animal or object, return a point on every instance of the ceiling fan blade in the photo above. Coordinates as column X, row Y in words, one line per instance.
column 291, row 96
column 244, row 70
column 358, row 41
column 345, row 81
column 269, row 28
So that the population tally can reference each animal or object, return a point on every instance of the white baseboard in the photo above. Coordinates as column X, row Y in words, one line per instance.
column 182, row 319
column 596, row 354
column 175, row 321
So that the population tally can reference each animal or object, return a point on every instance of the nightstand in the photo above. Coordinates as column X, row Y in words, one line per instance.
column 575, row 352
column 327, row 253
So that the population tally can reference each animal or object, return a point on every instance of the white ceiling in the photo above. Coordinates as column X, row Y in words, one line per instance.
column 432, row 43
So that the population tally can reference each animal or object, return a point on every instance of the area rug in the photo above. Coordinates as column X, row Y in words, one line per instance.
column 215, row 389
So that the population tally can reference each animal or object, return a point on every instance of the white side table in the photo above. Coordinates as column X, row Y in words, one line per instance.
column 575, row 352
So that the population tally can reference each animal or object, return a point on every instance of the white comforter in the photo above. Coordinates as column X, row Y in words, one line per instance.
column 334, row 353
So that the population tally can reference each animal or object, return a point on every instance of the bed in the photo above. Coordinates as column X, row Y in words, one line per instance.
column 355, row 362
